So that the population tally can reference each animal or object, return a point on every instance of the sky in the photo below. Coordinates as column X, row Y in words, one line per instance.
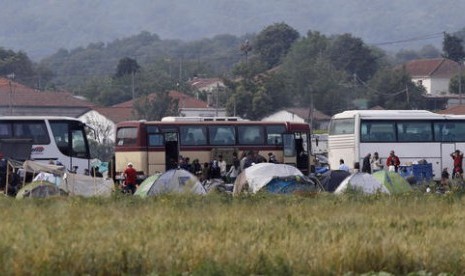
column 41, row 27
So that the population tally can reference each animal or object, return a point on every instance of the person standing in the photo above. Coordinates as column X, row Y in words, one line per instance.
column 366, row 166
column 130, row 179
column 223, row 166
column 457, row 156
column 272, row 158
column 342, row 166
column 393, row 161
column 376, row 164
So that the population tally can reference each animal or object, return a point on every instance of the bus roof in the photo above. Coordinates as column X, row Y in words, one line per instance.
column 38, row 118
column 291, row 125
column 390, row 114
column 199, row 119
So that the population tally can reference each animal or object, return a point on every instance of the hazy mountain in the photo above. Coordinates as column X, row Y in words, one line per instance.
column 41, row 27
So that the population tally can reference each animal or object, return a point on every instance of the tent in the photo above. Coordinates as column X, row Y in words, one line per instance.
column 40, row 189
column 393, row 181
column 176, row 181
column 145, row 186
column 290, row 185
column 86, row 185
column 330, row 180
column 363, row 182
column 73, row 184
column 282, row 178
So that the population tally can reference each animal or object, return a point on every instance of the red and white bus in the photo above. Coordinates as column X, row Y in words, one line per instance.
column 152, row 145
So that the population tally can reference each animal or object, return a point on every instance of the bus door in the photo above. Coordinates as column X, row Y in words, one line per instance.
column 295, row 151
column 171, row 150
column 446, row 160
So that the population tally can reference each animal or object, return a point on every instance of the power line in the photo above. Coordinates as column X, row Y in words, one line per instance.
column 417, row 38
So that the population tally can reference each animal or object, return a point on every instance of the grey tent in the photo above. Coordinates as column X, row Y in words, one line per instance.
column 176, row 181
column 40, row 189
column 363, row 182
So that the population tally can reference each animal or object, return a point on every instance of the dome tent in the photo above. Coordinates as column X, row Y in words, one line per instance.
column 363, row 182
column 281, row 178
column 393, row 181
column 145, row 186
column 176, row 181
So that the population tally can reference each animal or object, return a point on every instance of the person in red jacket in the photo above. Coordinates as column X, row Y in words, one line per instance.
column 393, row 160
column 130, row 179
column 457, row 156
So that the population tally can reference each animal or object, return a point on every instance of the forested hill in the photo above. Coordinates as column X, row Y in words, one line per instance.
column 40, row 28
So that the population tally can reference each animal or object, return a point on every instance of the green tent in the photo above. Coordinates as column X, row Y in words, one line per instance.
column 393, row 181
column 40, row 189
column 145, row 186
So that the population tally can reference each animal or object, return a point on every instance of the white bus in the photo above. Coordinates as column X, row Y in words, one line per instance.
column 58, row 139
column 413, row 134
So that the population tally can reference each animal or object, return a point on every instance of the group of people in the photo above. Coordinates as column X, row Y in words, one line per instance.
column 215, row 169
column 372, row 164
column 219, row 169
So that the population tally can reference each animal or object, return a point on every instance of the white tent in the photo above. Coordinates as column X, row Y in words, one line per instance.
column 73, row 184
column 176, row 181
column 259, row 175
column 363, row 182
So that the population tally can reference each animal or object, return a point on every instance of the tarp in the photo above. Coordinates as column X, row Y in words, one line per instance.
column 73, row 184
column 86, row 185
column 393, row 181
column 145, row 186
column 362, row 182
column 176, row 181
column 34, row 166
column 332, row 179
column 290, row 185
column 40, row 189
column 256, row 177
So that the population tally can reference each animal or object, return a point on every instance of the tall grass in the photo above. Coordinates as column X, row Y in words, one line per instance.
column 218, row 235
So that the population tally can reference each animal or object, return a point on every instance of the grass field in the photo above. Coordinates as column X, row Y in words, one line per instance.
column 219, row 235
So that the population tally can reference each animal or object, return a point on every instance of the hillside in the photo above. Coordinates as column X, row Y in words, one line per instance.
column 40, row 28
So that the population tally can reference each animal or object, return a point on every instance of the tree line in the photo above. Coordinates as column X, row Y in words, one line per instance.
column 275, row 68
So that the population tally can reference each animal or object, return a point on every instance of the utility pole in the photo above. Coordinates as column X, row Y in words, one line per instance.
column 11, row 77
column 217, row 97
column 460, row 82
column 132, row 86
column 408, row 96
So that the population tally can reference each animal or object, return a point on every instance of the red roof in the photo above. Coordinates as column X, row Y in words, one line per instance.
column 116, row 114
column 436, row 67
column 454, row 110
column 185, row 101
column 21, row 95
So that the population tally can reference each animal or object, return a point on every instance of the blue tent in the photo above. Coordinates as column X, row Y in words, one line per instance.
column 290, row 185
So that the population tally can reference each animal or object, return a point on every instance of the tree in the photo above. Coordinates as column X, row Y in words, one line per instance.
column 353, row 56
column 17, row 64
column 454, row 86
column 394, row 89
column 452, row 48
column 156, row 106
column 126, row 66
column 273, row 43
column 100, row 146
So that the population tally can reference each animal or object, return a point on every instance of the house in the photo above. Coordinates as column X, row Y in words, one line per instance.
column 301, row 114
column 188, row 106
column 210, row 86
column 433, row 74
column 17, row 99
